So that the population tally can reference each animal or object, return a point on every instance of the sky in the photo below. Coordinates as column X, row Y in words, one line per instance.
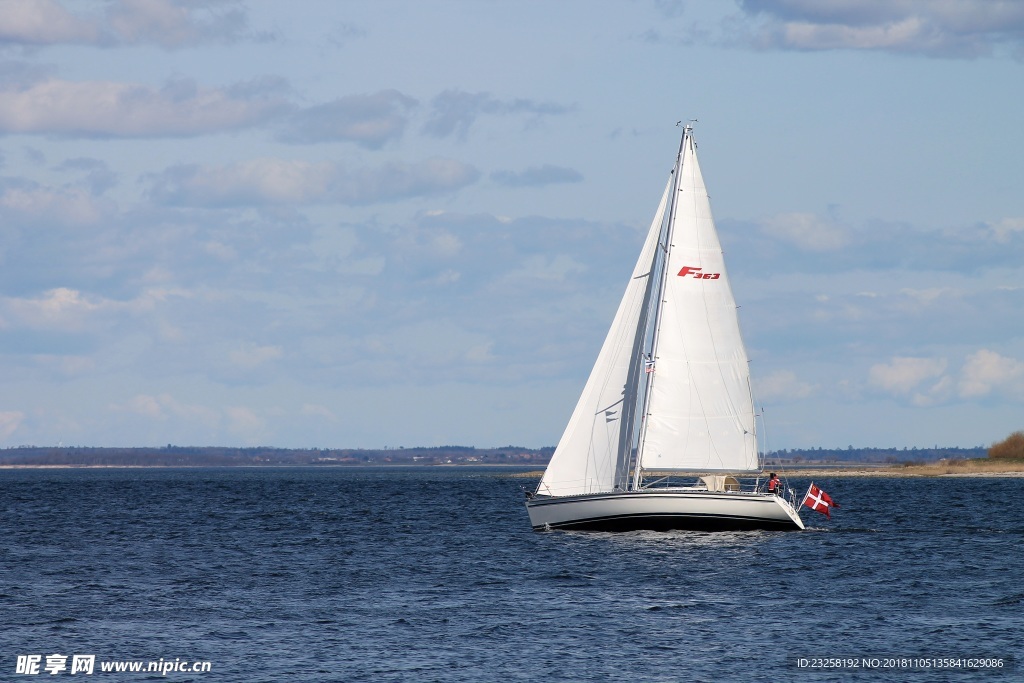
column 378, row 224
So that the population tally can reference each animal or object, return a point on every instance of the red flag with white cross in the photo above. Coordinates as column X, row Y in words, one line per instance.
column 819, row 501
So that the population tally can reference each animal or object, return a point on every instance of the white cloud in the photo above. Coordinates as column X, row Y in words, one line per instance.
column 65, row 365
column 948, row 28
column 902, row 375
column 71, row 310
column 43, row 22
column 344, row 34
column 781, row 386
column 929, row 296
column 257, row 181
column 423, row 348
column 806, row 231
column 252, row 356
column 281, row 181
column 245, row 423
column 164, row 406
column 144, row 405
column 317, row 410
column 539, row 267
column 174, row 24
column 95, row 174
column 808, row 36
column 10, row 420
column 60, row 308
column 127, row 110
column 167, row 23
column 446, row 277
column 32, row 203
column 445, row 244
column 925, row 382
column 398, row 180
column 481, row 353
column 220, row 251
column 936, row 393
column 453, row 112
column 367, row 120
column 986, row 372
column 536, row 176
column 1004, row 230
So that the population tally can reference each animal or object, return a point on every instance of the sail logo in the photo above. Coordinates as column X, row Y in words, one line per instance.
column 697, row 275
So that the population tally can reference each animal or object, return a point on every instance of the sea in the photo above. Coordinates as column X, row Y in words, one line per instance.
column 433, row 574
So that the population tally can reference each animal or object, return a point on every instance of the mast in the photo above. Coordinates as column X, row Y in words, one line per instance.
column 631, row 395
column 655, row 299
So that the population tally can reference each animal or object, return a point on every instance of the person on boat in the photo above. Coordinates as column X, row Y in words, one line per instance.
column 774, row 484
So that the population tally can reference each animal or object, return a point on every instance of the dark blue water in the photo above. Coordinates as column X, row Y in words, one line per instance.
column 433, row 574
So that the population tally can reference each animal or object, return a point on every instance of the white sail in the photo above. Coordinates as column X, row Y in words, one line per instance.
column 591, row 455
column 700, row 414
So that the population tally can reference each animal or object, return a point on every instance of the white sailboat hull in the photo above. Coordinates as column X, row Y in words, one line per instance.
column 664, row 509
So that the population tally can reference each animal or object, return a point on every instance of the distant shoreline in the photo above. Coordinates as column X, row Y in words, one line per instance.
column 955, row 469
column 268, row 456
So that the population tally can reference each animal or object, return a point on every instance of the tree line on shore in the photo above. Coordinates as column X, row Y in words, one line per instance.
column 261, row 456
column 796, row 456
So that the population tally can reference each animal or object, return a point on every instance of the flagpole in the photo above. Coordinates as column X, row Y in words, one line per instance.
column 804, row 499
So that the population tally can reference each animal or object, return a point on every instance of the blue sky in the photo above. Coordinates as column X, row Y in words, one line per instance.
column 367, row 224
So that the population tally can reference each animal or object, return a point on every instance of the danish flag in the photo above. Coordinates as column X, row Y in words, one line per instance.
column 819, row 501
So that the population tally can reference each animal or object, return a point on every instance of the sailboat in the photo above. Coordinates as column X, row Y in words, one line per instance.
column 663, row 436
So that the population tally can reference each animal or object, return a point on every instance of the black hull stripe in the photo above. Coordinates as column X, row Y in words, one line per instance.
column 668, row 522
